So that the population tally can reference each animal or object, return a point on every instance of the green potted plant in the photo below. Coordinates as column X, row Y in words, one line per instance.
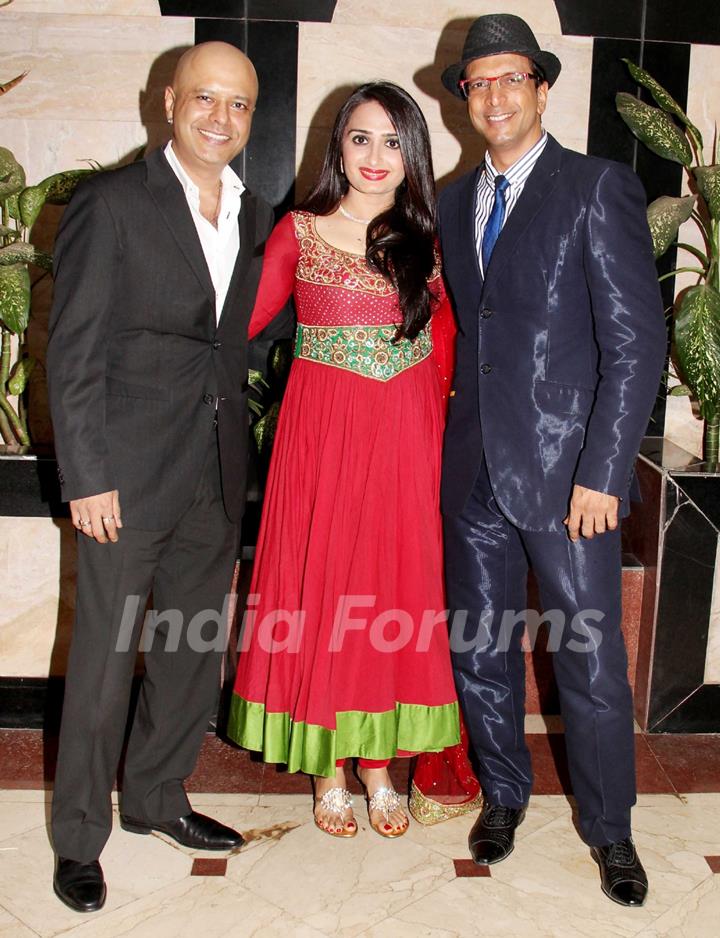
column 20, row 206
column 668, row 132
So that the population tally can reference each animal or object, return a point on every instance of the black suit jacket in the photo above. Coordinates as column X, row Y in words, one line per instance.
column 560, row 349
column 136, row 363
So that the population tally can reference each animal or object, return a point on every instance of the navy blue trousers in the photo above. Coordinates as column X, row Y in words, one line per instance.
column 487, row 561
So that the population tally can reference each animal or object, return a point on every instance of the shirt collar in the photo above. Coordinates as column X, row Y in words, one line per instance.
column 520, row 168
column 229, row 178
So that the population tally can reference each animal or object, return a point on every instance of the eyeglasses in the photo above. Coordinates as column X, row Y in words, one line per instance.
column 473, row 86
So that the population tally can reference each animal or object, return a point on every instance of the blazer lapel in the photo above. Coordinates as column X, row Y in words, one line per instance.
column 169, row 197
column 246, row 226
column 540, row 184
column 466, row 220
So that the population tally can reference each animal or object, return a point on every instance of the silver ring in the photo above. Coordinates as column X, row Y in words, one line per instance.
column 85, row 524
column 108, row 520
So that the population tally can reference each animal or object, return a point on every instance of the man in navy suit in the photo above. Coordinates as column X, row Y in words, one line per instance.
column 560, row 349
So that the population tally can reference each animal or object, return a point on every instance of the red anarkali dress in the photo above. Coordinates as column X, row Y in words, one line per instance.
column 345, row 650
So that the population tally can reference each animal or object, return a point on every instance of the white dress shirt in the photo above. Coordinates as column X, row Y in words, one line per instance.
column 516, row 176
column 220, row 245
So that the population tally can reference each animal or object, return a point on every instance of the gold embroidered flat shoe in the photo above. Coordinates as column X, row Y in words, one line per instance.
column 385, row 801
column 336, row 802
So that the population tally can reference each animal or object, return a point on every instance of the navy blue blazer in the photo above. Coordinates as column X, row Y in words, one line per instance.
column 561, row 348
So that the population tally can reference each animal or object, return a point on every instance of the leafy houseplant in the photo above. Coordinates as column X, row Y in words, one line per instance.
column 669, row 133
column 20, row 206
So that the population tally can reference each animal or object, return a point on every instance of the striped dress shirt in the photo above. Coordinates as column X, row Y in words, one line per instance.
column 516, row 176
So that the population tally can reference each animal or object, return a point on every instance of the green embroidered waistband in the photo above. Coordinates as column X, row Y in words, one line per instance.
column 367, row 350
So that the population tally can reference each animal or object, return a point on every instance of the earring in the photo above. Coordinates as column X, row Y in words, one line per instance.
column 342, row 167
column 169, row 120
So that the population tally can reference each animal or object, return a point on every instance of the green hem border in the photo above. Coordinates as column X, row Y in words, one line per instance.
column 311, row 748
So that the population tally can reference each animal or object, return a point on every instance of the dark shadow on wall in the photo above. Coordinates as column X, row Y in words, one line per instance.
column 152, row 116
column 453, row 110
column 318, row 137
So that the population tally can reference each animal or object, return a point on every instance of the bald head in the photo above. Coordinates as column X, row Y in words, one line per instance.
column 210, row 105
column 212, row 55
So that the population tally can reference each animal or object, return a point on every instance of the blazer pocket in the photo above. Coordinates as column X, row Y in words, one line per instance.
column 563, row 398
column 118, row 388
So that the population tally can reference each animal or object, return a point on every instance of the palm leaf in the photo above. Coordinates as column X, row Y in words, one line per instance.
column 20, row 374
column 665, row 215
column 662, row 97
column 15, row 297
column 59, row 187
column 708, row 180
column 654, row 128
column 20, row 252
column 697, row 342
column 264, row 428
column 12, row 175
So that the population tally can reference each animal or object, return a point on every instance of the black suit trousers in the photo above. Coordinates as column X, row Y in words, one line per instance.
column 189, row 570
column 487, row 561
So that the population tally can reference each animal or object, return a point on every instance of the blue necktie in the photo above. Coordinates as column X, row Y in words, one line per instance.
column 495, row 222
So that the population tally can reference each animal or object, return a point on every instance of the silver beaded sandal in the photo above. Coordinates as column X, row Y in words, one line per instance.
column 336, row 801
column 385, row 801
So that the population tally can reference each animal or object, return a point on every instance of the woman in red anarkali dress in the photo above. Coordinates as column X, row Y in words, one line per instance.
column 345, row 653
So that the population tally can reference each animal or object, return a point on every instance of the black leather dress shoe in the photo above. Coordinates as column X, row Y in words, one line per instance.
column 194, row 830
column 621, row 873
column 79, row 885
column 492, row 837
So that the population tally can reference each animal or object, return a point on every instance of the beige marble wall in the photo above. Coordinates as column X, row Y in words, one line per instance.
column 37, row 570
column 540, row 14
column 335, row 57
column 86, row 95
column 98, row 7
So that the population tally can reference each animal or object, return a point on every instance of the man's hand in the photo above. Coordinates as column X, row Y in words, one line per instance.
column 98, row 516
column 591, row 513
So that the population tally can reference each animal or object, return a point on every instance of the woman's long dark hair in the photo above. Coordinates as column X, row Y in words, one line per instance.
column 400, row 241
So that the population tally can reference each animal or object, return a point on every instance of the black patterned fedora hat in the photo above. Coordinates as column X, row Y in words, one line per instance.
column 495, row 34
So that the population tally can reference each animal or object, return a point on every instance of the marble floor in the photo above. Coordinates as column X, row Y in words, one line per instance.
column 293, row 881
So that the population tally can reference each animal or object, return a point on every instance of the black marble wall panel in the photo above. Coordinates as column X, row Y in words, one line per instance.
column 618, row 18
column 267, row 165
column 608, row 135
column 683, row 21
column 667, row 20
column 640, row 534
column 680, row 701
column 29, row 488
column 295, row 10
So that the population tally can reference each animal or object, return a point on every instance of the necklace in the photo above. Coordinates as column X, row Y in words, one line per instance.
column 360, row 221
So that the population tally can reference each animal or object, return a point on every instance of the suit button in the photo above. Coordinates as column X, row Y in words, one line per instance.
column 485, row 369
column 208, row 399
column 216, row 345
column 486, row 313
